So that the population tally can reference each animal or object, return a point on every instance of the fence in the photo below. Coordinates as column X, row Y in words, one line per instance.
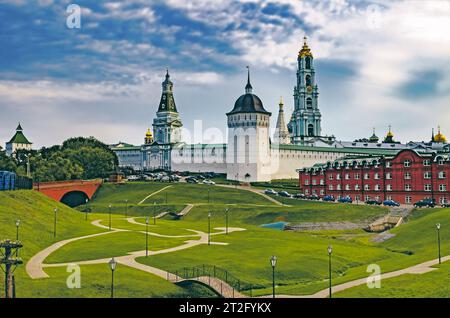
column 213, row 276
column 11, row 181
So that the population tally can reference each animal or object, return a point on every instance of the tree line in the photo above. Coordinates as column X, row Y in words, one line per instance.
column 76, row 158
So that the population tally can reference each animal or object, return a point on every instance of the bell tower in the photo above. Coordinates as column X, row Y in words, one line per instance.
column 305, row 123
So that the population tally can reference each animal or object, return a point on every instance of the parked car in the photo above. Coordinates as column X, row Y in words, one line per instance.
column 191, row 180
column 209, row 182
column 132, row 178
column 328, row 198
column 373, row 202
column 165, row 179
column 284, row 194
column 445, row 205
column 298, row 196
column 428, row 203
column 390, row 203
column 201, row 177
column 313, row 197
column 174, row 177
column 270, row 191
column 346, row 199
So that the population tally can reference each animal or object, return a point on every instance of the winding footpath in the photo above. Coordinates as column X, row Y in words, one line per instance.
column 257, row 191
column 35, row 266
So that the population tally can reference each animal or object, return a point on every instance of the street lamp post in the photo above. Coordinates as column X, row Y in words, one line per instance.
column 330, row 250
column 154, row 213
column 438, row 227
column 86, row 211
column 273, row 262
column 209, row 228
column 17, row 235
column 54, row 222
column 112, row 265
column 109, row 211
column 146, row 236
column 226, row 221
column 126, row 208
column 17, row 229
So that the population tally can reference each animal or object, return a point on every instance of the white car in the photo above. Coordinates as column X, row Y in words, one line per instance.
column 206, row 181
column 132, row 178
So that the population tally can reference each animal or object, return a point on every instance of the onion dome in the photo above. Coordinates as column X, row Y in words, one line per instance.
column 440, row 137
column 374, row 138
column 148, row 137
column 389, row 136
column 305, row 51
column 249, row 102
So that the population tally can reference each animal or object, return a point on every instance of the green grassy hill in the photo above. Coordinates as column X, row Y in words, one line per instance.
column 36, row 232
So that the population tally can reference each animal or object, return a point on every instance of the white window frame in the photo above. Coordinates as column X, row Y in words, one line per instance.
column 442, row 187
column 407, row 175
column 427, row 187
column 408, row 187
column 427, row 175
column 407, row 163
column 408, row 199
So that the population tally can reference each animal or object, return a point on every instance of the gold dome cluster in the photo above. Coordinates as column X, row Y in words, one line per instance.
column 305, row 51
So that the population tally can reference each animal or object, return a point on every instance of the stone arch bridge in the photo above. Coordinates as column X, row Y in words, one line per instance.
column 72, row 192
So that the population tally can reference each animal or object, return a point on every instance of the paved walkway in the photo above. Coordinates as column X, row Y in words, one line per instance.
column 421, row 268
column 35, row 265
column 257, row 191
column 152, row 194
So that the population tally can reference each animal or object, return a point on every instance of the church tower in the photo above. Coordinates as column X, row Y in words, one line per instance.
column 305, row 123
column 166, row 131
column 167, row 124
column 248, row 148
column 281, row 135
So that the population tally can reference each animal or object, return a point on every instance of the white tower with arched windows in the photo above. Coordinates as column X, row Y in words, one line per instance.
column 248, row 148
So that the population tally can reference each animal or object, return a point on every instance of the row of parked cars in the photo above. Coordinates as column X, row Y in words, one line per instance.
column 160, row 176
column 428, row 203
column 192, row 179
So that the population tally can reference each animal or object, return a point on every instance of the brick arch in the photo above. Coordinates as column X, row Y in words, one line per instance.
column 57, row 189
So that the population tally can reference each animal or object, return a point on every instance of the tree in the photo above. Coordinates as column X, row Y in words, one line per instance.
column 79, row 142
column 96, row 162
column 7, row 163
column 55, row 168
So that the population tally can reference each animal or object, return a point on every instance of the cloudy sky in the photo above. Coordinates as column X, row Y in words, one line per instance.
column 378, row 63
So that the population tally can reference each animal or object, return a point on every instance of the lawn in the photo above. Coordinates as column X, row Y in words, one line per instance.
column 36, row 232
column 435, row 284
column 96, row 282
column 110, row 245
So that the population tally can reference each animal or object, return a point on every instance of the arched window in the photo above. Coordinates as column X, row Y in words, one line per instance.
column 308, row 80
column 309, row 103
column 308, row 62
column 310, row 130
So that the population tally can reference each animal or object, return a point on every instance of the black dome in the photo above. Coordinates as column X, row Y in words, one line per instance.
column 249, row 103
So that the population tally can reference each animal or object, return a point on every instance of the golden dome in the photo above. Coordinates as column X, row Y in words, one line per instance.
column 390, row 134
column 149, row 133
column 305, row 51
column 440, row 137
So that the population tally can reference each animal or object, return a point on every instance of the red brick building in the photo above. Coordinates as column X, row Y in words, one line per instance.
column 406, row 177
